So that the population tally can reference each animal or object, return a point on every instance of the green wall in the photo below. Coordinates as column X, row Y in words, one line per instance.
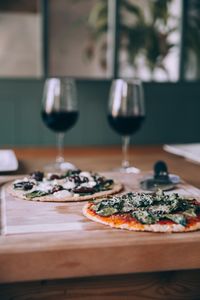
column 172, row 114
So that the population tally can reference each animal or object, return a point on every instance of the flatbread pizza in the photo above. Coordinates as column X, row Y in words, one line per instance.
column 156, row 212
column 74, row 185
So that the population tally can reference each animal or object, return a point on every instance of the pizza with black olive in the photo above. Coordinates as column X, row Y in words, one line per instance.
column 157, row 212
column 74, row 185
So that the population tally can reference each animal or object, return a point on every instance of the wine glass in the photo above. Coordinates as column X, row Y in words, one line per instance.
column 126, row 113
column 59, row 113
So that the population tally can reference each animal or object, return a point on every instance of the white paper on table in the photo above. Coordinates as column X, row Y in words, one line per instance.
column 188, row 151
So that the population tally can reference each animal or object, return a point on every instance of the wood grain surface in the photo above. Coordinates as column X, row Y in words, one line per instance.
column 69, row 254
column 174, row 285
column 52, row 240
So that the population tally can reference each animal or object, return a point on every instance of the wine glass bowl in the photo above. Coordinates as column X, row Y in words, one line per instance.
column 126, row 113
column 59, row 113
column 59, row 121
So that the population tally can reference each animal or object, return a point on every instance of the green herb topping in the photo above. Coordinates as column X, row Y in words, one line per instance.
column 149, row 208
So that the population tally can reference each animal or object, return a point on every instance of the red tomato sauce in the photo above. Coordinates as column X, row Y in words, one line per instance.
column 122, row 218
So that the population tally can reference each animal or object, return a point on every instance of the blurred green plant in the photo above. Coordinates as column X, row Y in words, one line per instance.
column 143, row 31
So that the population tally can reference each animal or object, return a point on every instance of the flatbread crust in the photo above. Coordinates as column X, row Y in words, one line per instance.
column 117, row 221
column 116, row 188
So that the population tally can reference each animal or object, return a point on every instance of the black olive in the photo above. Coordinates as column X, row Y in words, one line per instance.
column 23, row 185
column 38, row 176
column 28, row 186
column 99, row 180
column 84, row 179
column 72, row 172
column 75, row 178
column 57, row 188
column 84, row 189
column 54, row 176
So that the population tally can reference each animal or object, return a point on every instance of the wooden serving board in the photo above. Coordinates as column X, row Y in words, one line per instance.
column 22, row 216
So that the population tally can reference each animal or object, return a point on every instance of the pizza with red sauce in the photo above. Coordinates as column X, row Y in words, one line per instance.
column 156, row 212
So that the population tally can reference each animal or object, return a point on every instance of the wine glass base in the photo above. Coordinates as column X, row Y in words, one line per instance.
column 59, row 167
column 128, row 170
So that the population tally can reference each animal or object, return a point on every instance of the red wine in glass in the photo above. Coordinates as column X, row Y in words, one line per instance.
column 60, row 121
column 125, row 125
column 59, row 113
column 126, row 113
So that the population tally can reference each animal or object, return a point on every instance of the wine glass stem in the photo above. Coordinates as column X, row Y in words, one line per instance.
column 60, row 140
column 125, row 148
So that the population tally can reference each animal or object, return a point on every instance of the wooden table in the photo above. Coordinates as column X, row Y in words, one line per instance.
column 110, row 264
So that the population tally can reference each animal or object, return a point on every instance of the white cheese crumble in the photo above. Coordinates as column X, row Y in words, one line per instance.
column 44, row 186
column 61, row 194
column 89, row 184
column 69, row 185
column 76, row 195
column 87, row 175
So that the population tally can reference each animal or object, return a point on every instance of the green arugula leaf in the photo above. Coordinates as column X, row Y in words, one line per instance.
column 107, row 211
column 35, row 194
column 177, row 218
column 144, row 217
